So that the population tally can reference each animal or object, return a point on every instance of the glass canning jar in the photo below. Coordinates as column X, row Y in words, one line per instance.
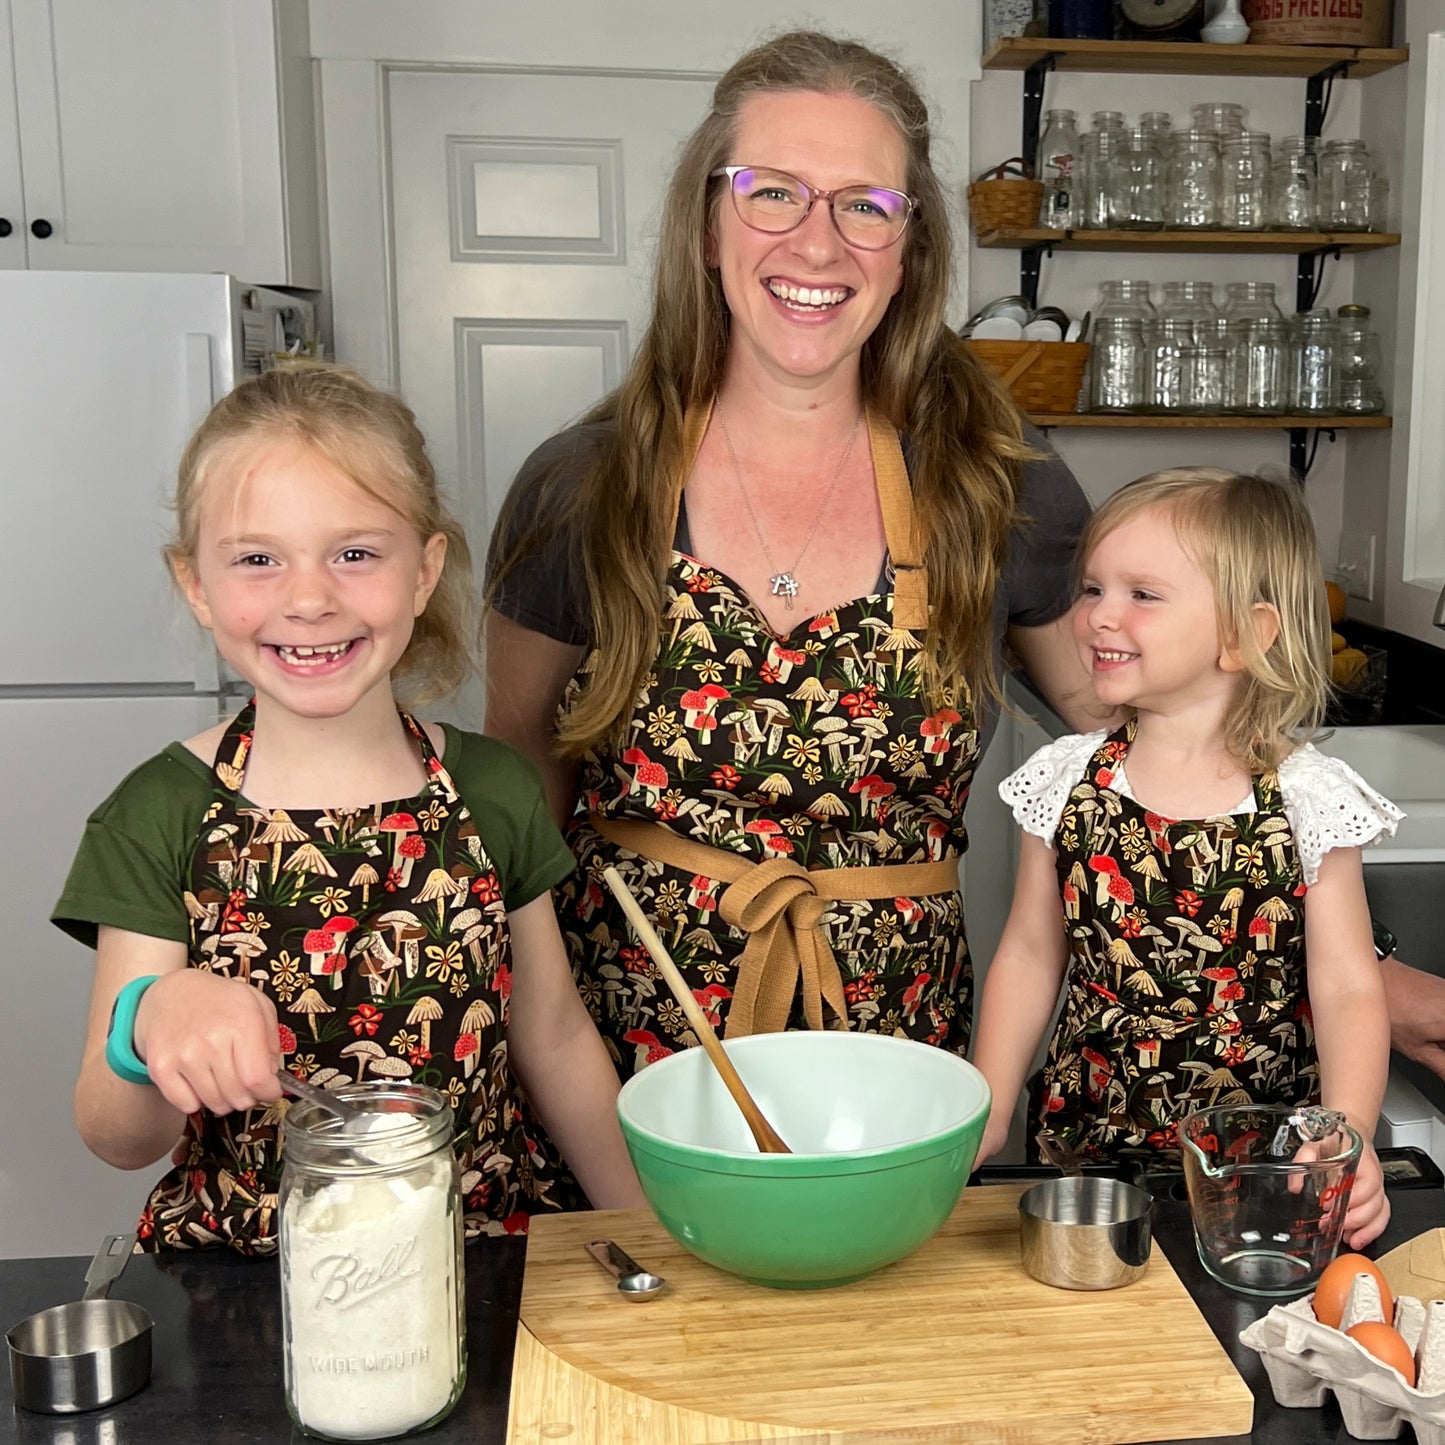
column 1099, row 154
column 1359, row 363
column 1205, row 381
column 1170, row 357
column 1118, row 364
column 1294, row 184
column 1129, row 299
column 1257, row 346
column 1192, row 301
column 372, row 1308
column 1345, row 185
column 1314, row 354
column 1222, row 117
column 1192, row 196
column 1159, row 124
column 1136, row 195
column 1244, row 181
column 1057, row 168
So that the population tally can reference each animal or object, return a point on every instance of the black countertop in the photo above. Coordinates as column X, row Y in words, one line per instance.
column 217, row 1376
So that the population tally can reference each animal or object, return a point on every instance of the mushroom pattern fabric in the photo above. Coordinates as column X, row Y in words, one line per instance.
column 818, row 747
column 1186, row 985
column 381, row 936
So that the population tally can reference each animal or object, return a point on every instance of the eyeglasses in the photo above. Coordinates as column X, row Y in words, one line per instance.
column 869, row 217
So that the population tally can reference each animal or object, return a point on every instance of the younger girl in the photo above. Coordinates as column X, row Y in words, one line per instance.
column 324, row 869
column 1164, row 867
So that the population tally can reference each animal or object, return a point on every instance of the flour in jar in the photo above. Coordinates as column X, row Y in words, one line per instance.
column 370, row 1283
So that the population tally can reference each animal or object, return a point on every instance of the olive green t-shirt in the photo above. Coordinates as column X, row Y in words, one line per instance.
column 134, row 859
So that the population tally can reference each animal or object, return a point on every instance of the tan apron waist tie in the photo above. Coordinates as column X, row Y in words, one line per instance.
column 778, row 904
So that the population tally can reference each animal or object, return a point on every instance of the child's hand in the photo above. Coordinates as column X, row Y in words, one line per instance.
column 208, row 1041
column 1369, row 1204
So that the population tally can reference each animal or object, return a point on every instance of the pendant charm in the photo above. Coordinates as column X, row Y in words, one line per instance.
column 785, row 585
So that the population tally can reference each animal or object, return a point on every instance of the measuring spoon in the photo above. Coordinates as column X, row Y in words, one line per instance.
column 633, row 1281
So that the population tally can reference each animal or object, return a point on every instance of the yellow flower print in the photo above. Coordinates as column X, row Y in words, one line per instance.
column 432, row 817
column 670, row 1016
column 796, row 824
column 455, row 1091
column 458, row 985
column 663, row 726
column 285, row 977
column 442, row 961
column 902, row 753
column 1248, row 858
column 303, row 1064
column 885, row 929
column 812, row 773
column 713, row 971
column 1133, row 840
column 813, row 647
column 800, row 750
column 404, row 1042
column 709, row 671
column 332, row 900
column 254, row 923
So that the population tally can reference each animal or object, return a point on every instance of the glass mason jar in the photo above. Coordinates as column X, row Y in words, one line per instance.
column 1192, row 301
column 1205, row 382
column 1294, row 184
column 1314, row 353
column 1057, row 169
column 1099, row 154
column 1379, row 198
column 1192, row 197
column 1223, row 118
column 372, row 1307
column 1257, row 344
column 1118, row 365
column 1244, row 181
column 1136, row 196
column 1130, row 299
column 1159, row 124
column 1359, row 363
column 1170, row 357
column 1346, row 182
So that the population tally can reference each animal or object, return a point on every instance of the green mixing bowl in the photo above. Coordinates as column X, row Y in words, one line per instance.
column 883, row 1131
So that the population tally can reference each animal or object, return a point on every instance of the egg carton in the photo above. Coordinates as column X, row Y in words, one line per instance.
column 1305, row 1360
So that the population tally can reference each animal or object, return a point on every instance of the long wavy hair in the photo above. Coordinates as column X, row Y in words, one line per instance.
column 370, row 436
column 966, row 444
column 1253, row 539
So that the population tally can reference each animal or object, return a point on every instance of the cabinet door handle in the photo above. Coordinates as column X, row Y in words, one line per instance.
column 5, row 228
column 41, row 230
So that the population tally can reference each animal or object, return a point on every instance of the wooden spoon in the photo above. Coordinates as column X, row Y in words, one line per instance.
column 768, row 1139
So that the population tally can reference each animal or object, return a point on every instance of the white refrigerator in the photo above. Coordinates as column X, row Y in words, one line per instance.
column 102, row 378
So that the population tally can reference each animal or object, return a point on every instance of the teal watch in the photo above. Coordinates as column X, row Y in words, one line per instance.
column 120, row 1052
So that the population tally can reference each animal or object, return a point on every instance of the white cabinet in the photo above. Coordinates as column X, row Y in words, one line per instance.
column 159, row 135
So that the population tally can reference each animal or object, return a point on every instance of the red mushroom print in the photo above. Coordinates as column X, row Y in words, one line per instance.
column 468, row 1049
column 1106, row 869
column 913, row 996
column 286, row 1038
column 825, row 624
column 1262, row 930
column 910, row 911
column 319, row 944
column 399, row 824
column 784, row 659
column 1221, row 977
column 1148, row 1050
column 1071, row 900
column 408, row 851
column 1121, row 891
column 765, row 828
column 1100, row 1072
column 935, row 839
column 874, row 789
column 935, row 730
column 649, row 777
column 708, row 1000
column 649, row 1047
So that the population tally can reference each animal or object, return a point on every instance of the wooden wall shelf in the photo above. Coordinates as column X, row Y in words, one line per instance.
column 1144, row 422
column 1189, row 58
column 1292, row 243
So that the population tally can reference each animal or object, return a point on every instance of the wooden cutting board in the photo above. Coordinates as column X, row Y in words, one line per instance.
column 955, row 1342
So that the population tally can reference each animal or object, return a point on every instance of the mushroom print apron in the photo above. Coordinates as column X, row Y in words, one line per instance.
column 381, row 937
column 789, row 812
column 1187, row 983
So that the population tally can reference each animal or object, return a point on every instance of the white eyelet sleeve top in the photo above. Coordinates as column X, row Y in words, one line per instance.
column 1328, row 803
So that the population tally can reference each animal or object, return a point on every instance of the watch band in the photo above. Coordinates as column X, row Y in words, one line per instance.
column 120, row 1052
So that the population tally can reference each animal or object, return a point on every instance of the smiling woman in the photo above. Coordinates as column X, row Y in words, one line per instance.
column 768, row 580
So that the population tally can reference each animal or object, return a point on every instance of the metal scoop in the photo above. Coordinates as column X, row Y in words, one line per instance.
column 633, row 1281
column 92, row 1352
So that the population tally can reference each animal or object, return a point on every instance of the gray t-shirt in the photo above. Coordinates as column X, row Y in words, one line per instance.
column 547, row 591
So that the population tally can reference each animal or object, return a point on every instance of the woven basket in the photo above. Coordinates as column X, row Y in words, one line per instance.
column 1042, row 376
column 1001, row 202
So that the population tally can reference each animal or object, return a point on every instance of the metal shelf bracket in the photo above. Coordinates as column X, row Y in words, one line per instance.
column 1300, row 461
column 1309, row 275
column 1034, row 78
column 1318, row 90
column 1031, row 260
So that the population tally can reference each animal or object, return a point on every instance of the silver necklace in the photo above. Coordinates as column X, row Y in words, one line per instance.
column 785, row 582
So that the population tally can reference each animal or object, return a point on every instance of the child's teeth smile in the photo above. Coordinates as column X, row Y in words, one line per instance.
column 1103, row 655
column 299, row 656
column 808, row 298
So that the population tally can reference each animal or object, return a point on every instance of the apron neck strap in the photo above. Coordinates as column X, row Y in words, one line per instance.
column 895, row 499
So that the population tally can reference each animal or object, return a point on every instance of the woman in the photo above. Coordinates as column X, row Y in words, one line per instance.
column 774, row 629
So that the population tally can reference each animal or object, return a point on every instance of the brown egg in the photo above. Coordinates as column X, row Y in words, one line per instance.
column 1386, row 1344
column 1333, row 1290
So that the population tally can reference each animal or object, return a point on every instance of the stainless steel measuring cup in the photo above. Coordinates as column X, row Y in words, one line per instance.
column 92, row 1352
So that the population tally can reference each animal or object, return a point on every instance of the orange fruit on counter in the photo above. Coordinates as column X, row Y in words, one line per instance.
column 1337, row 642
column 1386, row 1344
column 1332, row 1292
column 1347, row 667
column 1336, row 594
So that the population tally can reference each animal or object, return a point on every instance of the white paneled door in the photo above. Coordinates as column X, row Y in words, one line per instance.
column 524, row 210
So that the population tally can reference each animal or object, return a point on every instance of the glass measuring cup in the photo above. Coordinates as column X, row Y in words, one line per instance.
column 1269, row 1186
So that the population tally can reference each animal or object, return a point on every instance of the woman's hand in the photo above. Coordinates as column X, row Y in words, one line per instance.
column 208, row 1042
column 995, row 1135
column 1369, row 1204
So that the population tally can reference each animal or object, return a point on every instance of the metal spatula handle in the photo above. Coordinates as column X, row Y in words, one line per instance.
column 108, row 1264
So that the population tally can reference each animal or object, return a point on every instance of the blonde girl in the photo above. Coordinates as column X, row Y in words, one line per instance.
column 1194, row 875
column 324, row 882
